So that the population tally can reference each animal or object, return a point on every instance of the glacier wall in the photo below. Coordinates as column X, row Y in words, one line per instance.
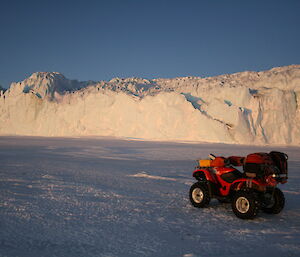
column 242, row 108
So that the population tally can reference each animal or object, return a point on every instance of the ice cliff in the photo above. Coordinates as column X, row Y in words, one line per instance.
column 244, row 108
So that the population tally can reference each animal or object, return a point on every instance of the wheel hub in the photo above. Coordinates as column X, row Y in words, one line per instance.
column 242, row 204
column 269, row 200
column 197, row 195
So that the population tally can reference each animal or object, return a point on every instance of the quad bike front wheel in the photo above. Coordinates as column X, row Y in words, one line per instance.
column 245, row 205
column 274, row 201
column 199, row 195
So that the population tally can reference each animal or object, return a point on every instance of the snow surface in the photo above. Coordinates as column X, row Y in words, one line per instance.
column 106, row 197
column 247, row 107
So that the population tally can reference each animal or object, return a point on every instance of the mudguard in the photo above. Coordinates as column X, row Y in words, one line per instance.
column 205, row 174
column 247, row 183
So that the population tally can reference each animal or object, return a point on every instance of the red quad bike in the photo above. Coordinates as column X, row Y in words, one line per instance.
column 249, row 191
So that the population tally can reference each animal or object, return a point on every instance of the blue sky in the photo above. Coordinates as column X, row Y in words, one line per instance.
column 99, row 40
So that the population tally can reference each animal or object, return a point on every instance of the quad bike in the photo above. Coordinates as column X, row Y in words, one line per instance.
column 249, row 191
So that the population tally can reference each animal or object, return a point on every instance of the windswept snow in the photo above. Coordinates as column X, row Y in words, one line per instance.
column 243, row 108
column 145, row 175
column 106, row 197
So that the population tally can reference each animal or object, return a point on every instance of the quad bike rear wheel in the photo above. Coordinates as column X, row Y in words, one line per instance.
column 199, row 195
column 245, row 204
column 275, row 201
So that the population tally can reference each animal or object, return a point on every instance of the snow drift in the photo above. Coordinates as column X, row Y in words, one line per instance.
column 244, row 108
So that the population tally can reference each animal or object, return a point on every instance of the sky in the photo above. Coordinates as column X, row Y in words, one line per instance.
column 100, row 40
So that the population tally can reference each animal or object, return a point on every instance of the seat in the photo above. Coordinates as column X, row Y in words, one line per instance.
column 229, row 177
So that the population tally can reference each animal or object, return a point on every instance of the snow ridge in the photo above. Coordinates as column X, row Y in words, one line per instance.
column 45, row 84
column 244, row 108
